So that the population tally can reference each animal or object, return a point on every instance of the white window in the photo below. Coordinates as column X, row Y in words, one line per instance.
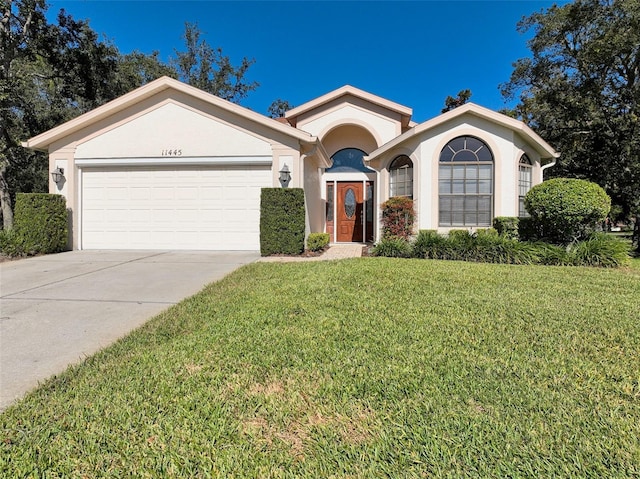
column 525, row 174
column 401, row 177
column 465, row 183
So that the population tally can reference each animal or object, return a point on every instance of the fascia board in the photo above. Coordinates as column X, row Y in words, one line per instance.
column 42, row 141
column 349, row 90
column 545, row 150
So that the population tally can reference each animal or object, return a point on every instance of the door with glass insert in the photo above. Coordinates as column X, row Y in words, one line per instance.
column 349, row 212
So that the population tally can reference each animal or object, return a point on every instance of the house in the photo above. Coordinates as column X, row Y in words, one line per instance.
column 168, row 166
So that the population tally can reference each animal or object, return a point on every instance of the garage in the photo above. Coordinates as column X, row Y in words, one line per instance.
column 176, row 207
column 171, row 167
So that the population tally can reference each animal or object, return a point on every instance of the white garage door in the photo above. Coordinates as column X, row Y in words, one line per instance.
column 184, row 208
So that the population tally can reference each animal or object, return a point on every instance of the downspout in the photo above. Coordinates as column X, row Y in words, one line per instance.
column 548, row 165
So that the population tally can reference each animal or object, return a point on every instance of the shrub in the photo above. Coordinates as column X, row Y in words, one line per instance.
column 430, row 245
column 397, row 217
column 282, row 221
column 40, row 223
column 565, row 210
column 393, row 247
column 528, row 230
column 317, row 241
column 600, row 250
column 10, row 243
column 507, row 226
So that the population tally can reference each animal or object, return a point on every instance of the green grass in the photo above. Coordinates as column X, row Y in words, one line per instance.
column 371, row 367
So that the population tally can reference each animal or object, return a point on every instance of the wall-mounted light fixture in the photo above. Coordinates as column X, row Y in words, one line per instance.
column 285, row 176
column 57, row 175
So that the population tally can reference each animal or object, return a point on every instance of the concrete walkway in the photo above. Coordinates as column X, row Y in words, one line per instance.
column 55, row 310
column 335, row 251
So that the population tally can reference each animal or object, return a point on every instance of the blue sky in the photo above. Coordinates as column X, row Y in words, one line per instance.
column 414, row 53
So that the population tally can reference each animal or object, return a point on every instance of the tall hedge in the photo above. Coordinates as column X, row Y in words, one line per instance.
column 566, row 210
column 282, row 218
column 40, row 223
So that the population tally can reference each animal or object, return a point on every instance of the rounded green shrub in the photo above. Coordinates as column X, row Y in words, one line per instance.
column 566, row 210
column 317, row 241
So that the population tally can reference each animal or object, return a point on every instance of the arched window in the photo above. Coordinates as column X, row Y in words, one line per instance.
column 348, row 160
column 401, row 177
column 525, row 175
column 465, row 183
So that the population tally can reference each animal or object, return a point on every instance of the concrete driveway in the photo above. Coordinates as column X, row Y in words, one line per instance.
column 57, row 309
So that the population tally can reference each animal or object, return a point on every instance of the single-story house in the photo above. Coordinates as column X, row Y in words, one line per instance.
column 168, row 166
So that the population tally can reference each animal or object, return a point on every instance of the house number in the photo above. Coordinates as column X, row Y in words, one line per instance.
column 171, row 152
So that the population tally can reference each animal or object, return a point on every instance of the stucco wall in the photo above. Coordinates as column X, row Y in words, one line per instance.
column 424, row 149
column 173, row 128
column 383, row 128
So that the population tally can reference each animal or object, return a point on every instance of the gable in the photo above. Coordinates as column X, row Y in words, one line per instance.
column 175, row 127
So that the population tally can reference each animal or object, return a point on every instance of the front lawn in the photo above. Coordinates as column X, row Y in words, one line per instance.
column 371, row 367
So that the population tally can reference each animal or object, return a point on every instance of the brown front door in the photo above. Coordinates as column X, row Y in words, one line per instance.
column 349, row 212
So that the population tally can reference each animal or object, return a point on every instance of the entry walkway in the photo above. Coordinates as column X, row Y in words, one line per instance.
column 335, row 251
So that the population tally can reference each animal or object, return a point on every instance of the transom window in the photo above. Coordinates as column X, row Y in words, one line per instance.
column 525, row 175
column 465, row 183
column 401, row 177
column 348, row 160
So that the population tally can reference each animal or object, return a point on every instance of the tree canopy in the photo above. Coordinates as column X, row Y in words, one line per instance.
column 580, row 90
column 454, row 102
column 52, row 72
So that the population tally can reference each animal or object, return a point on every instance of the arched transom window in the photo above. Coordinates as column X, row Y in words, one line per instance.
column 401, row 177
column 348, row 160
column 465, row 183
column 525, row 176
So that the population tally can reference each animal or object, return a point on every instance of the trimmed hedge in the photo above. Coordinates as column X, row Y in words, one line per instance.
column 282, row 221
column 488, row 247
column 40, row 225
column 317, row 241
column 565, row 210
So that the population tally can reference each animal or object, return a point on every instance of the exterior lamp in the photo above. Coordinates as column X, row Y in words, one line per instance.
column 285, row 176
column 57, row 175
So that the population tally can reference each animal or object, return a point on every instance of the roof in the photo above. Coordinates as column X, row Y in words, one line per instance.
column 404, row 111
column 42, row 141
column 542, row 147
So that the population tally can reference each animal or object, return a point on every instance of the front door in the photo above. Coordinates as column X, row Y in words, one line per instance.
column 349, row 212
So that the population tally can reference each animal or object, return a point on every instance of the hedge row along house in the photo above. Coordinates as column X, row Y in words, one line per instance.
column 168, row 166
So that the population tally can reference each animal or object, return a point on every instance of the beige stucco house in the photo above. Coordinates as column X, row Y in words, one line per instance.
column 168, row 166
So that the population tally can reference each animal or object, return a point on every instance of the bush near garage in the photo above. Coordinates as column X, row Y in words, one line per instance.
column 40, row 225
column 317, row 241
column 282, row 221
column 566, row 210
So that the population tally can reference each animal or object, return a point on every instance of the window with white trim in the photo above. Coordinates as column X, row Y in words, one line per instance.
column 401, row 177
column 465, row 183
column 525, row 176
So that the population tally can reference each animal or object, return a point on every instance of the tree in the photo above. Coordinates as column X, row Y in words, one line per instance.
column 21, row 23
column 49, row 74
column 450, row 102
column 580, row 91
column 278, row 108
column 207, row 68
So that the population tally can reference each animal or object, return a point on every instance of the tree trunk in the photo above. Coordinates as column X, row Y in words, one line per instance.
column 5, row 200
